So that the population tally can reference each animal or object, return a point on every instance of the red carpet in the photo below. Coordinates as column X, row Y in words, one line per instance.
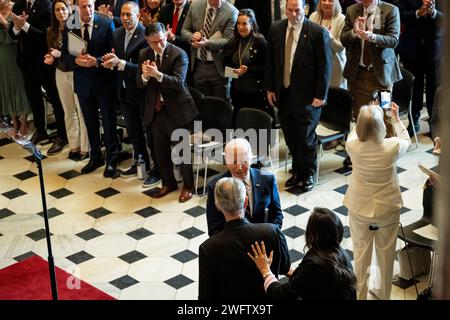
column 30, row 280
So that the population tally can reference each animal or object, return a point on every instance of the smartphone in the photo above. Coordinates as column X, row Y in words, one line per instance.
column 385, row 99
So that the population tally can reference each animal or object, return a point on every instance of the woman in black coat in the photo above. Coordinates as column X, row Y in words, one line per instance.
column 325, row 272
column 247, row 53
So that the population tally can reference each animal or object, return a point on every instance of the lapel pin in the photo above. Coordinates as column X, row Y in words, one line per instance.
column 305, row 36
column 95, row 26
column 257, row 184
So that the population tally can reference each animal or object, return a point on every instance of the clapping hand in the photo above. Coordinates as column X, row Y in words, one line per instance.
column 105, row 10
column 170, row 34
column 242, row 69
column 149, row 69
column 110, row 60
column 19, row 21
column 85, row 60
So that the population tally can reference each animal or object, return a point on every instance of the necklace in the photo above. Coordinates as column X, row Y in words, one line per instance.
column 240, row 56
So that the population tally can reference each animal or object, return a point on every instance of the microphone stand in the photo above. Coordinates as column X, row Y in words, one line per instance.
column 27, row 145
column 375, row 227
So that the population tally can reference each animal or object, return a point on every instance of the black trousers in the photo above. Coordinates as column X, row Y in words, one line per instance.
column 34, row 78
column 90, row 106
column 299, row 124
column 425, row 77
column 133, row 115
column 162, row 127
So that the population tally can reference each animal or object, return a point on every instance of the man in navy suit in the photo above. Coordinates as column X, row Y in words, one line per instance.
column 225, row 270
column 264, row 199
column 95, row 85
column 419, row 48
column 128, row 40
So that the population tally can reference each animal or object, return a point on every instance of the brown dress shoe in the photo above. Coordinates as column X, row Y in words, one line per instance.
column 161, row 192
column 186, row 194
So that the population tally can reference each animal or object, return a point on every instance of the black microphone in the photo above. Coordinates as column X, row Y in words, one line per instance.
column 375, row 226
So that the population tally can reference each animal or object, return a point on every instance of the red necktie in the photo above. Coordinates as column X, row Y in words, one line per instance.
column 175, row 21
column 158, row 94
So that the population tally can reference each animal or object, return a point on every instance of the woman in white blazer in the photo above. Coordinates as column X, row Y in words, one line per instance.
column 373, row 195
column 329, row 15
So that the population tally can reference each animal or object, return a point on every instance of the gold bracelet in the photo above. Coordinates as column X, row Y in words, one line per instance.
column 265, row 275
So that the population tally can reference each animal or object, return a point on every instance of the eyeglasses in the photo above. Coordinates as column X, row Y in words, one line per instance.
column 156, row 41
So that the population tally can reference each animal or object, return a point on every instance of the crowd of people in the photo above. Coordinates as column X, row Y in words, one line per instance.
column 144, row 57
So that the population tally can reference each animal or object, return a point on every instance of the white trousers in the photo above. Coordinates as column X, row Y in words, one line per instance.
column 363, row 241
column 73, row 117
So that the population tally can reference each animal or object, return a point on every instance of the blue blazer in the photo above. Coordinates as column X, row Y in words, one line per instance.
column 131, row 56
column 94, row 80
column 265, row 195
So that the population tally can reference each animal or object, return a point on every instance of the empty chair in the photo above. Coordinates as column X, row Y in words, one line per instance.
column 336, row 117
column 214, row 113
column 261, row 122
column 402, row 93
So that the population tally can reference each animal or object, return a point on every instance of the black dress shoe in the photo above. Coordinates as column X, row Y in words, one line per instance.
column 292, row 181
column 347, row 162
column 308, row 184
column 83, row 156
column 57, row 146
column 74, row 155
column 110, row 170
column 38, row 137
column 92, row 165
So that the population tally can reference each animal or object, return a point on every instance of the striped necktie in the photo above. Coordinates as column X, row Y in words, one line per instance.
column 206, row 29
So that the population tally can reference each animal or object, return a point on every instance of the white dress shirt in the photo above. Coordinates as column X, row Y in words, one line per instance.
column 296, row 33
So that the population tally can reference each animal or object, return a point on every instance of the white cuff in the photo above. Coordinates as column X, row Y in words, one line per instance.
column 144, row 79
column 160, row 77
column 121, row 65
column 25, row 27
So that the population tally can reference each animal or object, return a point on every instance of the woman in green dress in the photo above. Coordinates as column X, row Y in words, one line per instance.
column 13, row 99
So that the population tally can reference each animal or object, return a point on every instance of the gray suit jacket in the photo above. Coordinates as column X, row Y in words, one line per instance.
column 387, row 30
column 221, row 32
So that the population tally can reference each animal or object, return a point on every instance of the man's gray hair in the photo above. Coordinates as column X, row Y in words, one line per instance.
column 244, row 151
column 229, row 194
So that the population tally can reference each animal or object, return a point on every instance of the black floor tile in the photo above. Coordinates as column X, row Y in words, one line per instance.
column 70, row 174
column 61, row 193
column 296, row 210
column 24, row 256
column 89, row 234
column 52, row 212
column 37, row 235
column 293, row 232
column 108, row 192
column 80, row 257
column 196, row 211
column 185, row 256
column 124, row 282
column 139, row 234
column 25, row 175
column 132, row 256
column 342, row 189
column 147, row 212
column 98, row 213
column 12, row 194
column 342, row 210
column 295, row 255
column 179, row 281
column 5, row 213
column 191, row 233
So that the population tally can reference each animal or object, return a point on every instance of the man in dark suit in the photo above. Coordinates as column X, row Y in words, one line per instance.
column 95, row 86
column 298, row 71
column 262, row 190
column 266, row 11
column 172, row 15
column 225, row 270
column 127, row 42
column 30, row 22
column 169, row 105
column 419, row 49
column 112, row 9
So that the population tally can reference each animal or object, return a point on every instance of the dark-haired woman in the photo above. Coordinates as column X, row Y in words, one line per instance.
column 73, row 118
column 150, row 12
column 247, row 54
column 325, row 272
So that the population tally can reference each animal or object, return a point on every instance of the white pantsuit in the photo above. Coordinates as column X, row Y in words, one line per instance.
column 374, row 196
column 73, row 117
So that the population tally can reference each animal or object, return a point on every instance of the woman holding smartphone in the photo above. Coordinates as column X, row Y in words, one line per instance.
column 373, row 195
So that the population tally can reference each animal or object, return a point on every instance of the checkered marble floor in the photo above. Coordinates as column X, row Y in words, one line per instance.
column 110, row 233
